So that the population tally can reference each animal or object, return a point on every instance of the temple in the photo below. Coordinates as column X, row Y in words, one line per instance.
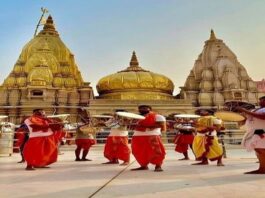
column 134, row 86
column 217, row 76
column 44, row 76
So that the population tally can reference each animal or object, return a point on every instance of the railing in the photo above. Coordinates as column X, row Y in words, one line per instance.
column 226, row 138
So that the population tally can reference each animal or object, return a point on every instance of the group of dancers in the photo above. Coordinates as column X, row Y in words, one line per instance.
column 41, row 148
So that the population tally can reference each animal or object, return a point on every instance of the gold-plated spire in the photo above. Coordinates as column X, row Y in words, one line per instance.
column 49, row 27
column 212, row 36
column 134, row 62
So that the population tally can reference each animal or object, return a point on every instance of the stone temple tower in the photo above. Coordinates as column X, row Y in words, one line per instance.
column 217, row 76
column 45, row 75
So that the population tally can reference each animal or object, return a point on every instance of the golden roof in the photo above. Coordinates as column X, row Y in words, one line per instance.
column 135, row 83
column 60, row 68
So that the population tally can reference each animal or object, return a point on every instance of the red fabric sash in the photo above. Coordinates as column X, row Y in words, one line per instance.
column 148, row 122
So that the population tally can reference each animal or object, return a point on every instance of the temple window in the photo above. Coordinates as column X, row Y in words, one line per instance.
column 37, row 93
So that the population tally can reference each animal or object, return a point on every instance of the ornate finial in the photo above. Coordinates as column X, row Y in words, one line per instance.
column 49, row 27
column 212, row 37
column 134, row 65
column 134, row 62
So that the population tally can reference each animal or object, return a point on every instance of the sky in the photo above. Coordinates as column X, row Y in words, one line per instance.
column 167, row 35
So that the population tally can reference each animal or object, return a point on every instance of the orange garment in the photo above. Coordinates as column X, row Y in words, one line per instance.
column 41, row 151
column 148, row 122
column 183, row 141
column 116, row 147
column 148, row 149
column 41, row 148
column 85, row 143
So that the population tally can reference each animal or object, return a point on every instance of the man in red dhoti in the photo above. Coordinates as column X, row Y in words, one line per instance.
column 184, row 137
column 84, row 140
column 41, row 148
column 116, row 147
column 147, row 145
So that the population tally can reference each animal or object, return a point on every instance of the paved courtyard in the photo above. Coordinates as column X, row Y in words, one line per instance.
column 68, row 178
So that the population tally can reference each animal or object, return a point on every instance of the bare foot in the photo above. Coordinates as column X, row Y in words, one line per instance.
column 111, row 162
column 255, row 172
column 41, row 167
column 29, row 168
column 140, row 168
column 158, row 169
column 86, row 160
column 124, row 163
column 184, row 159
column 220, row 164
column 201, row 163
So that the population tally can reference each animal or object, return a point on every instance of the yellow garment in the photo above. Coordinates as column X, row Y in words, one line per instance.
column 208, row 122
column 202, row 149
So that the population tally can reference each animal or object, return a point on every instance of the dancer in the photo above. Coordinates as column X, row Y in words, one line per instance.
column 41, row 148
column 147, row 145
column 254, row 139
column 116, row 147
column 205, row 144
column 184, row 137
column 84, row 140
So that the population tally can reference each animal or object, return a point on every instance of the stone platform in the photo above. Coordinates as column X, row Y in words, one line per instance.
column 68, row 178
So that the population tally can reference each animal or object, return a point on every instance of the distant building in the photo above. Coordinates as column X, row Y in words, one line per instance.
column 217, row 76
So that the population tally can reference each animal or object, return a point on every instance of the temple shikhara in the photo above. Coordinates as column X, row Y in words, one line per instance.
column 217, row 76
column 46, row 76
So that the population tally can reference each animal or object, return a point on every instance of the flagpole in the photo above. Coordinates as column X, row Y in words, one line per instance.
column 44, row 10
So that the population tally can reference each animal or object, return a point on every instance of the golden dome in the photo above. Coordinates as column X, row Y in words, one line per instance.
column 131, row 82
